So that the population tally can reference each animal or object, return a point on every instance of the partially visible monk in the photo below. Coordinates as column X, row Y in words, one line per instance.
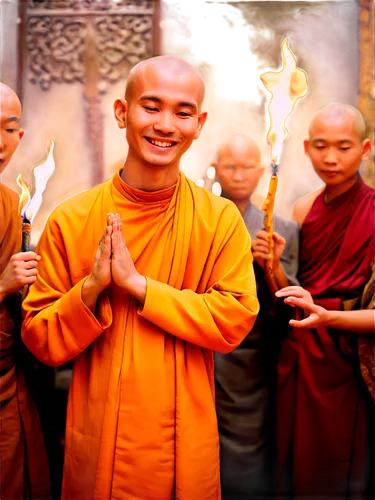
column 324, row 410
column 245, row 378
column 24, row 471
column 170, row 281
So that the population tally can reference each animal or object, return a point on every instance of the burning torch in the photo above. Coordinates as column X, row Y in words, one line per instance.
column 286, row 86
column 28, row 207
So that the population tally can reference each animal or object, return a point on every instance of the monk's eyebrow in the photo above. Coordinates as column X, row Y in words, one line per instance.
column 318, row 140
column 181, row 104
column 13, row 119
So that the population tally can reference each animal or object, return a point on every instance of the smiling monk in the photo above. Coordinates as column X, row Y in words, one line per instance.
column 170, row 281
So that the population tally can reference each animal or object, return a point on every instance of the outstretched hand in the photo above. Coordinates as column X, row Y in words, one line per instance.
column 318, row 316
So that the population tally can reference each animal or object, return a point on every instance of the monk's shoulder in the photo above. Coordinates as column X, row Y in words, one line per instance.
column 76, row 208
column 9, row 197
column 303, row 206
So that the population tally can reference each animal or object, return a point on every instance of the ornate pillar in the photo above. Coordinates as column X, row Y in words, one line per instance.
column 94, row 42
column 366, row 95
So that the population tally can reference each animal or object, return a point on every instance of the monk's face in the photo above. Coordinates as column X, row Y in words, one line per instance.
column 238, row 170
column 336, row 149
column 10, row 132
column 162, row 116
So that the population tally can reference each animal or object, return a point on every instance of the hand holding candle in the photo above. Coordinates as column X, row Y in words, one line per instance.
column 286, row 87
column 20, row 271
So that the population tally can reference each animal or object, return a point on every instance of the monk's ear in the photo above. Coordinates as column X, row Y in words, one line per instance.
column 366, row 149
column 20, row 133
column 306, row 143
column 201, row 121
column 119, row 107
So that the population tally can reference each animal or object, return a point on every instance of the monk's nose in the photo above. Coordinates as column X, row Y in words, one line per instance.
column 165, row 124
column 331, row 156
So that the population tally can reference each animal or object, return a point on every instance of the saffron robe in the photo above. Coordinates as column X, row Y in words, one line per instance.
column 141, row 418
column 245, row 381
column 24, row 470
column 323, row 420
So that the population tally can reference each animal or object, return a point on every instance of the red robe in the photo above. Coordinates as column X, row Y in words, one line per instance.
column 322, row 413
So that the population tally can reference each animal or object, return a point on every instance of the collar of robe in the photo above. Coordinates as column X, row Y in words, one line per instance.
column 139, row 196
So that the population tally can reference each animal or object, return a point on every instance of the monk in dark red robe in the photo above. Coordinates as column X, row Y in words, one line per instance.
column 324, row 426
column 245, row 378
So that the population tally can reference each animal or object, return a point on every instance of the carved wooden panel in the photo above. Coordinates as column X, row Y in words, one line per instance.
column 56, row 33
column 366, row 95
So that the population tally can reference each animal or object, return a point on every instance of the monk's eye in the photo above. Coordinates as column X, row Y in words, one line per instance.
column 150, row 108
column 184, row 114
column 344, row 149
column 11, row 130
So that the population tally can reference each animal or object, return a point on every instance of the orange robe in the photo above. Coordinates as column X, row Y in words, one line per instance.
column 24, row 470
column 141, row 416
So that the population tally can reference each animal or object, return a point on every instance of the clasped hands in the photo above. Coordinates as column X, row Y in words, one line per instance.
column 113, row 263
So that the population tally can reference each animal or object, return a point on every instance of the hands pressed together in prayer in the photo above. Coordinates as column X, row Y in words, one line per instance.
column 20, row 271
column 113, row 263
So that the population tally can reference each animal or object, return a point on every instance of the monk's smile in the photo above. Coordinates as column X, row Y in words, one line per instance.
column 161, row 143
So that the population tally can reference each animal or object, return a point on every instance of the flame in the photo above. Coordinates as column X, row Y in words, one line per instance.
column 25, row 194
column 287, row 87
column 28, row 206
column 42, row 173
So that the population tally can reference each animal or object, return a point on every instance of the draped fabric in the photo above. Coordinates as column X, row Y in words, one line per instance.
column 23, row 462
column 323, row 433
column 141, row 417
column 245, row 380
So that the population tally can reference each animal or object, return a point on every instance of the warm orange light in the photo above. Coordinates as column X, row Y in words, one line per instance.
column 287, row 87
column 42, row 173
column 25, row 193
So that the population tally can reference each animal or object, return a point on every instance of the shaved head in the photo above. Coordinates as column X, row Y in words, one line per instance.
column 7, row 95
column 238, row 168
column 336, row 113
column 10, row 116
column 240, row 143
column 175, row 67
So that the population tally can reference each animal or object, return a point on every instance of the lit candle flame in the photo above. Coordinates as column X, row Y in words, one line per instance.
column 25, row 194
column 287, row 87
column 42, row 173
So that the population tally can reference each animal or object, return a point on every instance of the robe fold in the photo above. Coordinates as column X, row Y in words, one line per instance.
column 323, row 425
column 141, row 418
column 24, row 472
column 245, row 381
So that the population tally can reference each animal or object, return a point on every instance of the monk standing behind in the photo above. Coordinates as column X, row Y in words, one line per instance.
column 324, row 431
column 24, row 470
column 170, row 282
column 245, row 378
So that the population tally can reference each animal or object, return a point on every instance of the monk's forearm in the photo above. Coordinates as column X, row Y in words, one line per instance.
column 362, row 321
column 217, row 320
column 278, row 280
column 56, row 329
column 280, row 276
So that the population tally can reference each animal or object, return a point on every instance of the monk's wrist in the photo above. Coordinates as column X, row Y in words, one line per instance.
column 136, row 285
column 90, row 293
